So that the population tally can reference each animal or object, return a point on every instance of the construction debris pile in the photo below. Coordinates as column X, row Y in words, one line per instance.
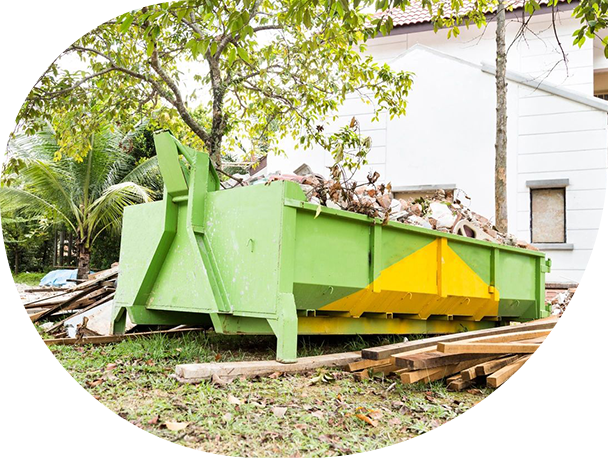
column 441, row 211
column 77, row 307
column 485, row 357
column 560, row 299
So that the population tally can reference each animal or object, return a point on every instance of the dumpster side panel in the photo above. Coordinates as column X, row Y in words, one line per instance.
column 182, row 266
column 331, row 251
column 244, row 229
column 142, row 233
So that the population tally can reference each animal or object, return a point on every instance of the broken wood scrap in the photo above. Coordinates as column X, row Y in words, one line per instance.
column 99, row 278
column 45, row 289
column 97, row 340
column 385, row 351
column 100, row 301
column 501, row 376
column 90, row 298
column 61, row 305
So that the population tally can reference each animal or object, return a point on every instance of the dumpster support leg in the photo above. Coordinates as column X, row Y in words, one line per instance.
column 285, row 327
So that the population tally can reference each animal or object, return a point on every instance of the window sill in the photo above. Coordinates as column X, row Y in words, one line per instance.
column 554, row 246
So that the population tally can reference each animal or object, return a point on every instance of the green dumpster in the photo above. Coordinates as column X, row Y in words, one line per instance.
column 261, row 260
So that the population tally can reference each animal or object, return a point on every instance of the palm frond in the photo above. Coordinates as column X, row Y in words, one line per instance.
column 147, row 174
column 107, row 210
column 19, row 200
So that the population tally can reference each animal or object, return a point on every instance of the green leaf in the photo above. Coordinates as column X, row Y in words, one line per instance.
column 126, row 23
column 231, row 55
column 243, row 54
column 150, row 48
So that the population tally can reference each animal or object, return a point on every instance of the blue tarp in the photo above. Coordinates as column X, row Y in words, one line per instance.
column 58, row 277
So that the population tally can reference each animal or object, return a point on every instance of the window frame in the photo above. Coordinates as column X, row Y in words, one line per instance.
column 560, row 183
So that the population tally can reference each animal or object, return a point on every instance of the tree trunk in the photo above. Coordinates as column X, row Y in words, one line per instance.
column 84, row 261
column 500, row 166
column 16, row 262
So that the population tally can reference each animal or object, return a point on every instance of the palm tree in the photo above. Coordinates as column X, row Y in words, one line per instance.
column 87, row 196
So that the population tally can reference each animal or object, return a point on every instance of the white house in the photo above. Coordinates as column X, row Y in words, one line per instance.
column 557, row 127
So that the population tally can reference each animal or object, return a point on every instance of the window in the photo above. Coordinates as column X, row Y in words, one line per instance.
column 548, row 215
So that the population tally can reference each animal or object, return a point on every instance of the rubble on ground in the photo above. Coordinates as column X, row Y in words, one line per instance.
column 74, row 307
column 441, row 212
column 561, row 301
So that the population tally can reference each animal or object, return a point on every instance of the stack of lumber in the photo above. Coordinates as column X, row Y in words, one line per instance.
column 488, row 356
column 85, row 296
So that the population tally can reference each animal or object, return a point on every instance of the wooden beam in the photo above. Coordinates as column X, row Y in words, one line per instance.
column 458, row 384
column 386, row 351
column 193, row 373
column 492, row 366
column 487, row 348
column 511, row 337
column 432, row 359
column 437, row 373
column 367, row 363
column 361, row 375
column 501, row 376
column 468, row 374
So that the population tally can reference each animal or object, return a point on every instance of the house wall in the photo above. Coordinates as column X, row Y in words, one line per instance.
column 537, row 53
column 447, row 135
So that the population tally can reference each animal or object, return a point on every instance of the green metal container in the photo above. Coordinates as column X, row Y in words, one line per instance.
column 262, row 260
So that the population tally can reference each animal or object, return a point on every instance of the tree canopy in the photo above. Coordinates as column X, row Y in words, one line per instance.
column 88, row 196
column 257, row 70
column 262, row 69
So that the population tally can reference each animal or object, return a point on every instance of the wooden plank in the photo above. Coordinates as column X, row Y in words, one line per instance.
column 432, row 359
column 468, row 374
column 192, row 373
column 487, row 348
column 367, row 363
column 501, row 376
column 416, row 376
column 458, row 384
column 45, row 299
column 60, row 306
column 99, row 278
column 386, row 351
column 492, row 366
column 511, row 337
column 45, row 289
column 418, row 351
column 89, row 299
column 115, row 338
column 437, row 373
column 361, row 375
column 385, row 369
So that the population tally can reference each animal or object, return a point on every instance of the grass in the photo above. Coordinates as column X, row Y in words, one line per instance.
column 29, row 278
column 288, row 415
